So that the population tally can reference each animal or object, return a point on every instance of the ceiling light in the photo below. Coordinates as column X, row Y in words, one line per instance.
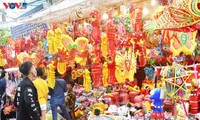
column 145, row 11
column 105, row 16
column 123, row 9
column 153, row 2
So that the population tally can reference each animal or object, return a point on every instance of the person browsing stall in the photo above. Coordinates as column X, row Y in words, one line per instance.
column 2, row 87
column 70, row 99
column 58, row 98
column 42, row 89
column 26, row 98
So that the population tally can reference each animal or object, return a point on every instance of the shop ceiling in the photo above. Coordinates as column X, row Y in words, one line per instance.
column 69, row 11
column 66, row 9
column 10, row 14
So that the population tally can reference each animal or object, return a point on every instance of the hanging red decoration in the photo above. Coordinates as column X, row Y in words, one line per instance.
column 165, row 2
column 96, row 40
column 28, row 46
column 54, row 25
column 97, row 73
column 19, row 45
column 111, row 35
column 138, row 35
column 96, row 33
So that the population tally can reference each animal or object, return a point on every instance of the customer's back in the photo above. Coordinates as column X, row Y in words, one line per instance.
column 57, row 96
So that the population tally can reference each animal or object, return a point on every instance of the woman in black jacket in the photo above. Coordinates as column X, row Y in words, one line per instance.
column 26, row 99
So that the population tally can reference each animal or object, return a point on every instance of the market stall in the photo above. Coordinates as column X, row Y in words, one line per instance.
column 130, row 59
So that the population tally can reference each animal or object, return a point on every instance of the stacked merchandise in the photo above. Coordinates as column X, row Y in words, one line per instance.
column 127, row 66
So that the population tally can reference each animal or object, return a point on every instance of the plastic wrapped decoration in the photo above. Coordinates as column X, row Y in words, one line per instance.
column 115, row 98
column 111, row 35
column 11, row 42
column 87, row 80
column 8, row 108
column 71, row 55
column 82, row 43
column 123, row 69
column 61, row 60
column 104, row 48
column 59, row 37
column 82, row 54
column 23, row 56
column 124, row 24
column 156, row 53
column 111, row 69
column 149, row 72
column 76, row 73
column 35, row 59
column 51, row 75
column 180, row 71
column 39, row 46
column 78, row 29
column 44, row 44
column 69, row 30
column 110, row 31
column 28, row 46
column 82, row 29
column 17, row 48
column 54, row 25
column 7, row 54
column 101, row 117
column 75, row 30
column 120, row 70
column 20, row 45
column 42, row 62
column 96, row 72
column 67, row 41
column 138, row 35
column 140, row 49
column 105, row 74
column 2, row 60
column 136, row 14
column 96, row 33
column 184, row 43
column 51, row 42
column 156, row 96
column 180, row 111
column 37, row 35
column 100, row 106
column 96, row 38
column 147, row 86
